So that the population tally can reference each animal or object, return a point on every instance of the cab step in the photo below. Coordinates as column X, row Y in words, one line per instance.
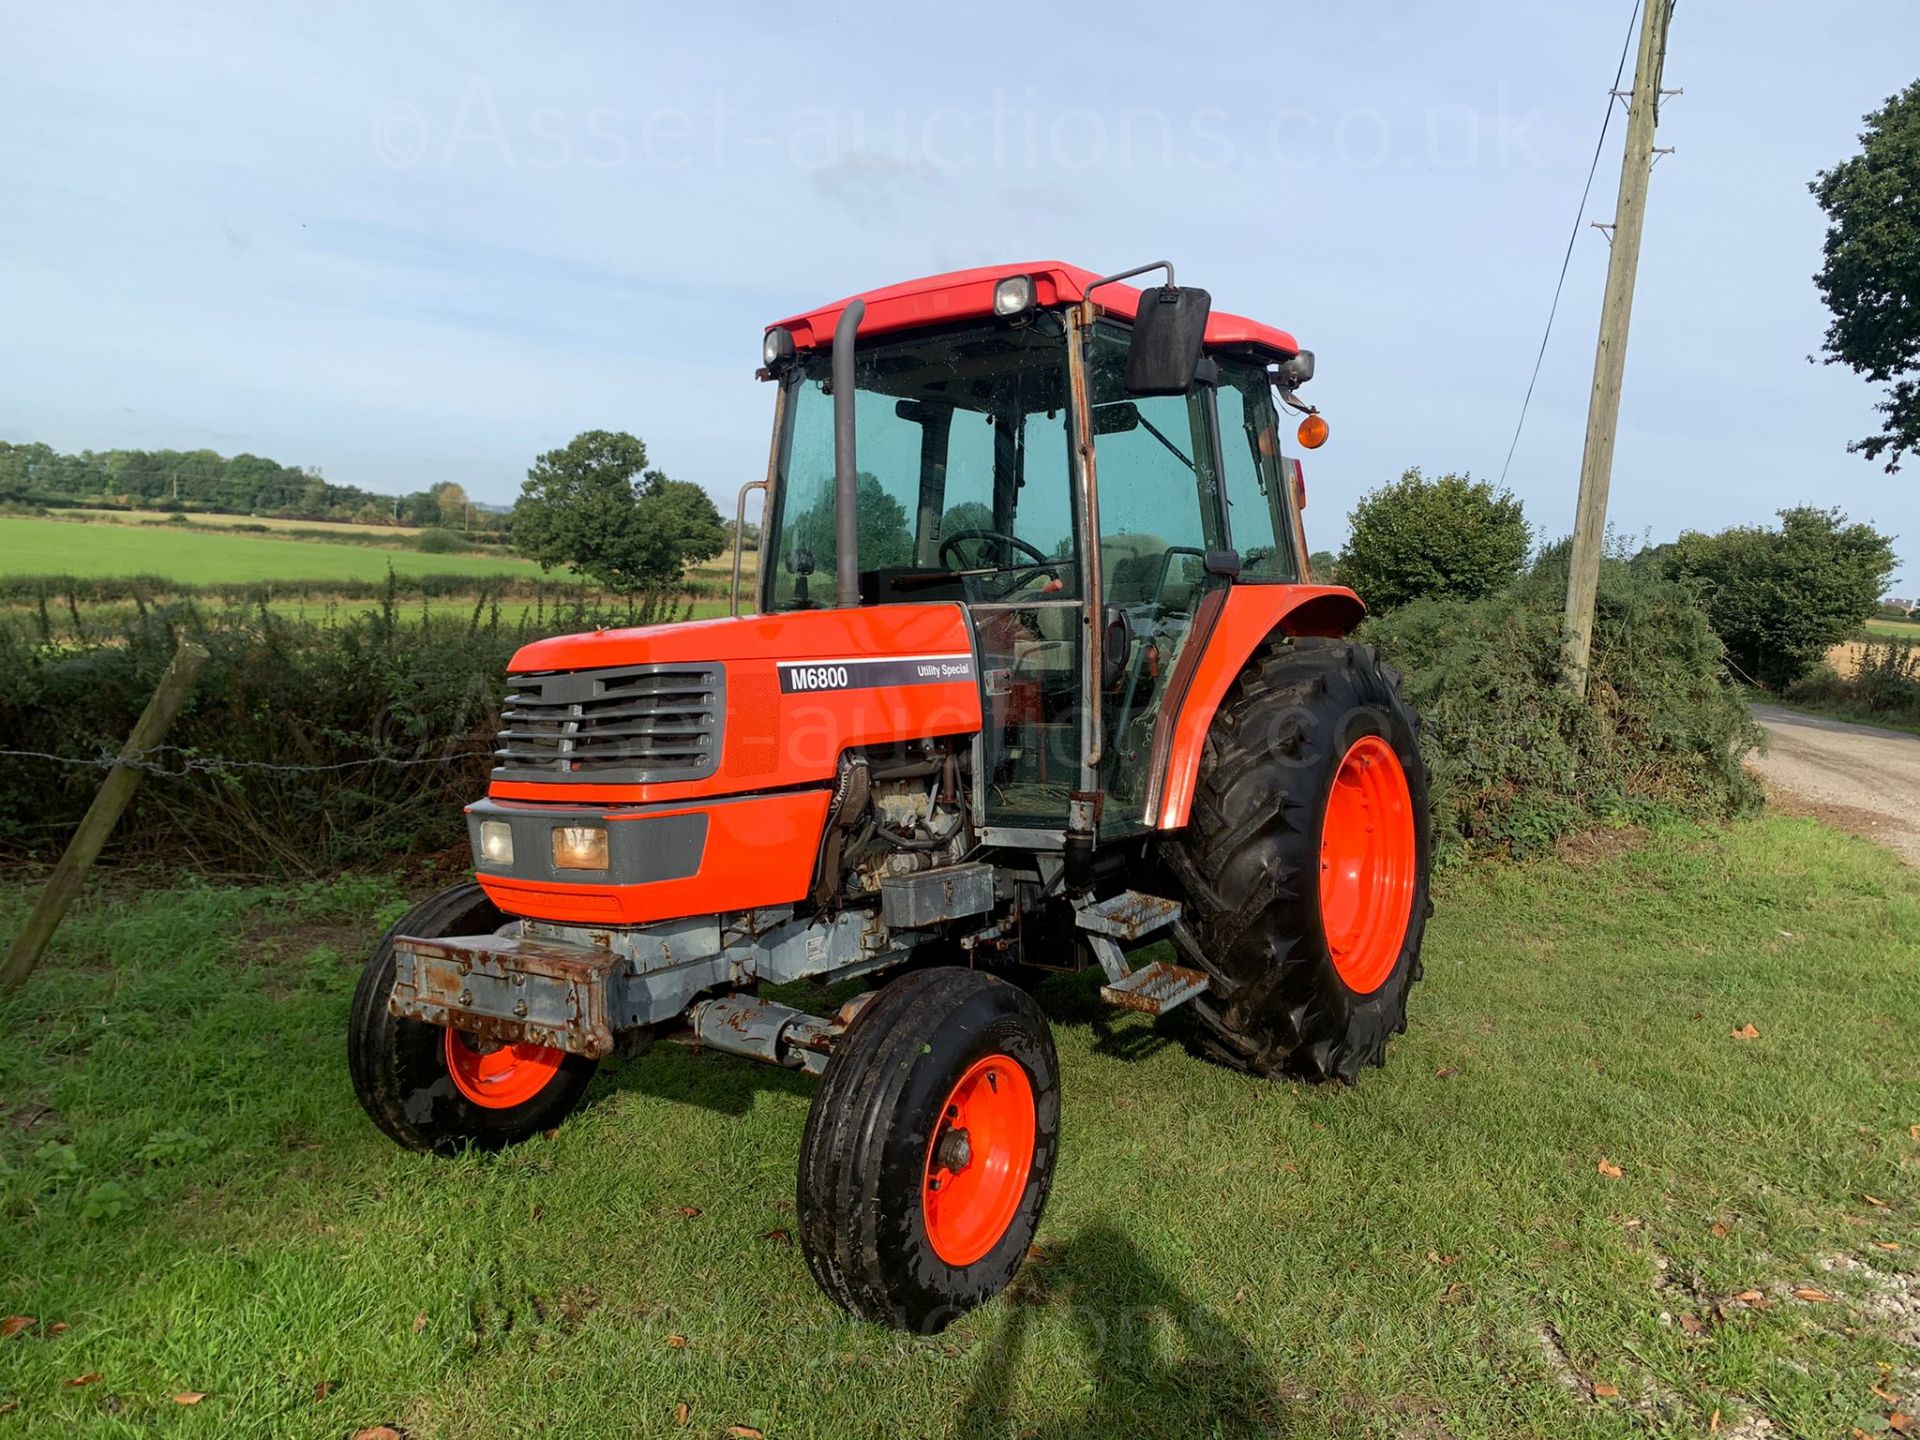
column 1155, row 989
column 1131, row 916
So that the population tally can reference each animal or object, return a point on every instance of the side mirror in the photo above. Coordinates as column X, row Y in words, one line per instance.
column 1116, row 646
column 1168, row 331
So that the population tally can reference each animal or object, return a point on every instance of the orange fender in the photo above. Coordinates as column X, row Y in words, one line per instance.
column 1231, row 625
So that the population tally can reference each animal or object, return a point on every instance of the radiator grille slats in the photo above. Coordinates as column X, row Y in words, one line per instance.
column 630, row 725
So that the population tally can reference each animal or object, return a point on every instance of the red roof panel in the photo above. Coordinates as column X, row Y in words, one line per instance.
column 968, row 294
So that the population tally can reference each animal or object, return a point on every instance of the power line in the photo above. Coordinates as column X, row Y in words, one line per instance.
column 1567, row 260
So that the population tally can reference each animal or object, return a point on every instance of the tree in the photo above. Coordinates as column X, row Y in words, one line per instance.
column 1322, row 566
column 452, row 501
column 1780, row 599
column 1452, row 536
column 594, row 505
column 1871, row 278
column 886, row 539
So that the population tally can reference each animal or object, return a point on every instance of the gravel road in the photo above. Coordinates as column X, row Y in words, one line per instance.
column 1856, row 777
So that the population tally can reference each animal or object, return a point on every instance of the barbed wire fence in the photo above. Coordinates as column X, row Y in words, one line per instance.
column 192, row 762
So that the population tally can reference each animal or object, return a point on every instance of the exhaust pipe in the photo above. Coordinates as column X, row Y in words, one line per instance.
column 846, row 474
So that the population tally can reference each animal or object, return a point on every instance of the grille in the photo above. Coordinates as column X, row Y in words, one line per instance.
column 634, row 725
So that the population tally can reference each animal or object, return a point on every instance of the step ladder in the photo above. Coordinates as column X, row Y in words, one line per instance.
column 1132, row 916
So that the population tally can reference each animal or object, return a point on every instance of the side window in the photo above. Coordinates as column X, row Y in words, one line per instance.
column 1156, row 479
column 1250, row 460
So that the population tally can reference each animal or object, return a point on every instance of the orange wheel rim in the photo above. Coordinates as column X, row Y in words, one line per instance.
column 979, row 1159
column 501, row 1078
column 1369, row 863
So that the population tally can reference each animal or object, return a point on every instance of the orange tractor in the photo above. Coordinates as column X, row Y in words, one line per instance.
column 1036, row 679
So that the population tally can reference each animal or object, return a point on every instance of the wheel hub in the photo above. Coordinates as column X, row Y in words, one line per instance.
column 979, row 1160
column 496, row 1076
column 1369, row 862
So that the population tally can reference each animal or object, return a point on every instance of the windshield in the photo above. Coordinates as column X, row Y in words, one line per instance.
column 963, row 455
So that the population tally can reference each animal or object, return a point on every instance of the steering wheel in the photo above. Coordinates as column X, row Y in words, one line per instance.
column 1005, row 584
column 950, row 547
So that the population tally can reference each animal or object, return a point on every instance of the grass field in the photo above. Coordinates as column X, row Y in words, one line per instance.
column 1575, row 1204
column 1907, row 630
column 201, row 517
column 57, row 547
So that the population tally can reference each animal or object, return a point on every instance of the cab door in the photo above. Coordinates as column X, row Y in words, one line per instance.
column 1160, row 508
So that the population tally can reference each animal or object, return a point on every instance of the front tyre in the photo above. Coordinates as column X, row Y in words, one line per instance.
column 1305, row 863
column 928, row 1153
column 440, row 1090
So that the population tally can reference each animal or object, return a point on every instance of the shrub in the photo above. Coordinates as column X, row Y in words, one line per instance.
column 1518, row 761
column 1780, row 599
column 438, row 542
column 1430, row 539
column 1885, row 689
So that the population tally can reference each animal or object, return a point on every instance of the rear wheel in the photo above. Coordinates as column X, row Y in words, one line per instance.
column 1305, row 864
column 929, row 1150
column 436, row 1089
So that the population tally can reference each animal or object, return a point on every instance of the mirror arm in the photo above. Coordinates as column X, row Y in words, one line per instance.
column 1166, row 265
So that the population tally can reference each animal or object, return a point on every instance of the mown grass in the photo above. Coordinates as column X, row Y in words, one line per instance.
column 199, row 556
column 1880, row 628
column 190, row 1189
column 271, row 522
column 327, row 609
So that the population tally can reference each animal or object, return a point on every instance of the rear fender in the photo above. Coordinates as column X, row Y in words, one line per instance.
column 1231, row 625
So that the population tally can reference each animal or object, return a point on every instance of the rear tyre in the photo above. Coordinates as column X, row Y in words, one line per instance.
column 435, row 1089
column 1305, row 863
column 928, row 1153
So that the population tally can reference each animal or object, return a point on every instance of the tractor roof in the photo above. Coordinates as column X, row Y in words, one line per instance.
column 968, row 295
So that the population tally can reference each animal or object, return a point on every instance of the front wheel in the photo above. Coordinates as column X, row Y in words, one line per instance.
column 1305, row 863
column 929, row 1150
column 435, row 1089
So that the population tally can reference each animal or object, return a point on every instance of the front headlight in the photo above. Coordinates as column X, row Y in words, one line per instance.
column 579, row 847
column 496, row 842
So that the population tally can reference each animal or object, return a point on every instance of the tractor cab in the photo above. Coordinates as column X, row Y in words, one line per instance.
column 1014, row 452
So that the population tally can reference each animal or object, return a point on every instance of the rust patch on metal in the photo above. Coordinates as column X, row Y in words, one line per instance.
column 1156, row 989
column 509, row 990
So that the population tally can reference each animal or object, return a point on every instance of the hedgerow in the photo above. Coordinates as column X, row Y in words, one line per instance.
column 1519, row 761
column 337, row 702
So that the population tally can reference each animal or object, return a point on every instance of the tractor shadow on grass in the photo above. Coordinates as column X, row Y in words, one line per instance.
column 725, row 1084
column 1074, row 999
column 1160, row 1363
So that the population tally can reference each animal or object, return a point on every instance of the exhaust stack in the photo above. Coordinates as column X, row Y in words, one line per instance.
column 846, row 474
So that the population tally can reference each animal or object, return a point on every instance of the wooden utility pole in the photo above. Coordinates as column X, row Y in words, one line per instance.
column 84, row 848
column 1609, row 361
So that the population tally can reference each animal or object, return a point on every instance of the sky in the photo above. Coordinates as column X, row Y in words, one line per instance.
column 405, row 244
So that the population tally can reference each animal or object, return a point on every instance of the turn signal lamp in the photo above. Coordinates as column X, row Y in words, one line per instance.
column 579, row 847
column 1013, row 295
column 496, row 842
column 1313, row 432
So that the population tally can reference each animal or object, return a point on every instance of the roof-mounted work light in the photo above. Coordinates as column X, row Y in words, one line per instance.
column 1013, row 295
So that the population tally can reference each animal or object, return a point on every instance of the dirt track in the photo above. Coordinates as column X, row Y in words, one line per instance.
column 1860, row 779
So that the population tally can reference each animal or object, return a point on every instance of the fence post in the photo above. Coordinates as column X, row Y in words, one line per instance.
column 70, row 874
